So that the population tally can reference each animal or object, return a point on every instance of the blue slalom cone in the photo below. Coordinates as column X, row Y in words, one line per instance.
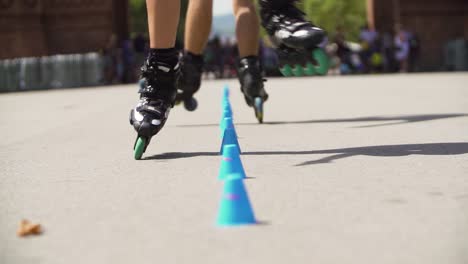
column 226, row 105
column 235, row 208
column 229, row 138
column 226, row 123
column 230, row 162
column 227, row 112
column 226, row 92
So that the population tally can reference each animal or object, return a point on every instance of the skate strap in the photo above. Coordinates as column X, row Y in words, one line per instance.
column 297, row 25
column 152, row 109
column 161, row 94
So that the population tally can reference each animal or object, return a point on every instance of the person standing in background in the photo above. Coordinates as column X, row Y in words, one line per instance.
column 402, row 48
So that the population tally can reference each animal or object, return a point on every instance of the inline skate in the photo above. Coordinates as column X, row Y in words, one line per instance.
column 251, row 80
column 190, row 80
column 157, row 96
column 297, row 41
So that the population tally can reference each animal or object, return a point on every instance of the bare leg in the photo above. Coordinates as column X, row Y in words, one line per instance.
column 249, row 69
column 197, row 31
column 163, row 19
column 159, row 73
column 198, row 25
column 247, row 27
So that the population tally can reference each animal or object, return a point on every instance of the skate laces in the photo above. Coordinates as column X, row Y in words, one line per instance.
column 153, row 106
column 160, row 80
column 152, row 102
column 252, row 67
column 149, row 70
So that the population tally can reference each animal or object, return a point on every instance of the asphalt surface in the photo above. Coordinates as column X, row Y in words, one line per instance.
column 346, row 170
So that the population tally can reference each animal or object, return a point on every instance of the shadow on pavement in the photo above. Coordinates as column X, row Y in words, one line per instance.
column 180, row 155
column 398, row 120
column 454, row 148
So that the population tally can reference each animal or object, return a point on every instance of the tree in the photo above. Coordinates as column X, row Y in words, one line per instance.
column 350, row 15
column 138, row 17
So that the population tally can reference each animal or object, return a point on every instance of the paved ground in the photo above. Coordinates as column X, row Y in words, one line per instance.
column 346, row 170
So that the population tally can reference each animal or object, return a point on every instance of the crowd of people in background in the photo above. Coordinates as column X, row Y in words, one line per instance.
column 375, row 52
column 122, row 61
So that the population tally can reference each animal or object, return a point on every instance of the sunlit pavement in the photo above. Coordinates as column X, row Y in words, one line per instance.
column 364, row 169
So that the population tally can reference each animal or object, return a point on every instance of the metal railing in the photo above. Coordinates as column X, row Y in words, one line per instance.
column 58, row 71
column 456, row 55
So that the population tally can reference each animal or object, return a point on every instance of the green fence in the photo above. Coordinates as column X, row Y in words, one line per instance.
column 59, row 71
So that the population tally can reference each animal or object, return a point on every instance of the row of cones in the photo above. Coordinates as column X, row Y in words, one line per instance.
column 235, row 208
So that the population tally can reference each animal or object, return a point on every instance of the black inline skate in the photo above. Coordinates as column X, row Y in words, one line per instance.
column 157, row 96
column 296, row 40
column 251, row 80
column 190, row 80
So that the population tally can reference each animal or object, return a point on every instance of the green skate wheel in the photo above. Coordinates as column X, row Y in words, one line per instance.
column 309, row 70
column 298, row 70
column 323, row 64
column 139, row 149
column 286, row 70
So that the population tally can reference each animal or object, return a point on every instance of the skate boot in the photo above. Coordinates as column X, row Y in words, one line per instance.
column 296, row 40
column 190, row 80
column 251, row 80
column 157, row 96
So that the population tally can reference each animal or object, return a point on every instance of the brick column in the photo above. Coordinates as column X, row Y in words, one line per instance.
column 21, row 31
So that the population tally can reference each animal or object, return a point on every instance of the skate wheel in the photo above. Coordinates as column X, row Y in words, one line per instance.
column 286, row 70
column 258, row 105
column 323, row 64
column 309, row 70
column 298, row 70
column 139, row 149
column 191, row 104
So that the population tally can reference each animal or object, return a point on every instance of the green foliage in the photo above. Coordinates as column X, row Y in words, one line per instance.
column 138, row 17
column 138, row 22
column 350, row 15
column 329, row 14
column 183, row 15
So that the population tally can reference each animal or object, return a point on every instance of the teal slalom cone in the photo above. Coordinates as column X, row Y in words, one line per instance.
column 226, row 123
column 229, row 138
column 226, row 92
column 230, row 162
column 235, row 208
column 227, row 112
column 226, row 105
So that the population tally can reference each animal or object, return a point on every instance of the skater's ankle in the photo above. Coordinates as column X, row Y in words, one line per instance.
column 249, row 60
column 196, row 58
column 165, row 56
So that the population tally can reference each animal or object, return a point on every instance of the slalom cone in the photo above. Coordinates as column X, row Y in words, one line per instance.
column 235, row 208
column 226, row 92
column 227, row 112
column 229, row 138
column 226, row 105
column 226, row 123
column 230, row 162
